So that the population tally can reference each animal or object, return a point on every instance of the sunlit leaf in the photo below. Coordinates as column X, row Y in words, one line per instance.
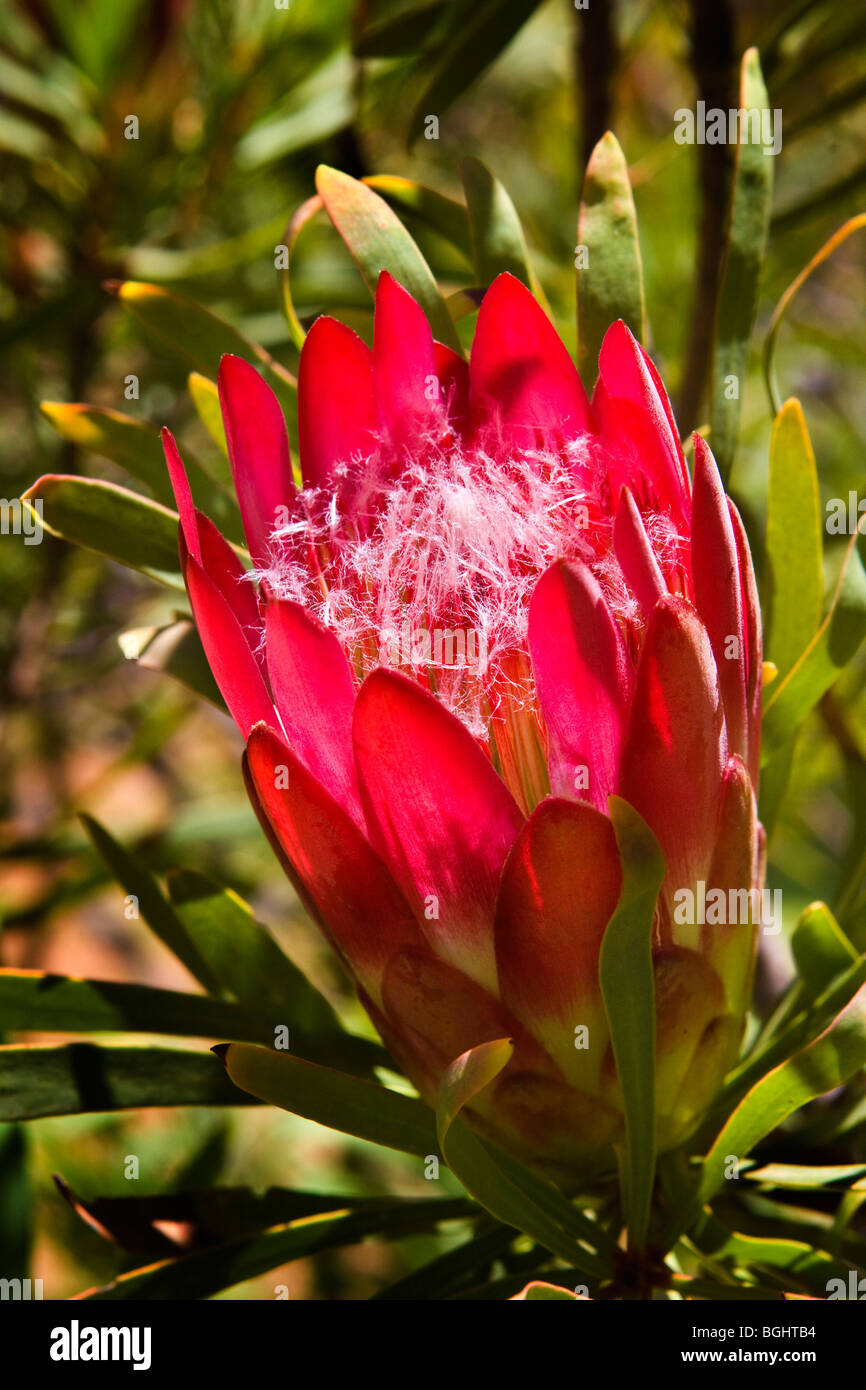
column 610, row 285
column 794, row 588
column 507, row 1189
column 745, row 247
column 791, row 697
column 498, row 243
column 628, row 990
column 821, row 949
column 824, row 1064
column 111, row 520
column 331, row 1098
column 175, row 649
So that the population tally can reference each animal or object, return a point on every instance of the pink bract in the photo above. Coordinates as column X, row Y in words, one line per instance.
column 490, row 605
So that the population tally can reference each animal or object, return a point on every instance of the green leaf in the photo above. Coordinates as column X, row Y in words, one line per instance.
column 610, row 286
column 399, row 34
column 112, row 521
column 211, row 1215
column 129, row 442
column 745, row 247
column 139, row 883
column 244, row 958
column 791, row 697
column 498, row 243
column 208, row 1271
column 627, row 987
column 443, row 215
column 198, row 335
column 331, row 1098
column 137, row 447
column 477, row 34
column 798, row 1175
column 377, row 240
column 794, row 584
column 32, row 1001
column 440, row 1277
column 83, row 1078
column 824, row 1064
column 809, row 1268
column 509, row 1191
column 175, row 649
column 821, row 949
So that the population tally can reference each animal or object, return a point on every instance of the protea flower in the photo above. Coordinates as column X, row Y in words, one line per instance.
column 490, row 605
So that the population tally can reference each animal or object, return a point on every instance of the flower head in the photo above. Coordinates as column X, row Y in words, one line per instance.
column 491, row 604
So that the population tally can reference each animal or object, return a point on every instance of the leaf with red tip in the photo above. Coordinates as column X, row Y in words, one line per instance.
column 347, row 884
column 559, row 890
column 718, row 595
column 314, row 691
column 583, row 676
column 258, row 451
column 234, row 667
column 336, row 407
column 523, row 381
column 442, row 818
column 403, row 362
column 674, row 753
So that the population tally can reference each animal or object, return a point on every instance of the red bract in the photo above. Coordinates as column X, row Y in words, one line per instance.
column 491, row 605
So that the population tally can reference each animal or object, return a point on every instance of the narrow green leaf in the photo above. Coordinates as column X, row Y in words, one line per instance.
column 477, row 34
column 745, row 247
column 821, row 949
column 112, row 521
column 450, row 1271
column 244, row 958
column 32, row 1001
column 400, row 34
column 808, row 1268
column 137, row 447
column 175, row 649
column 331, row 1098
column 610, row 284
column 443, row 215
column 83, row 1078
column 139, row 883
column 824, row 1064
column 798, row 1175
column 377, row 240
column 507, row 1189
column 211, row 1215
column 110, row 433
column 208, row 1271
column 198, row 335
column 791, row 697
column 498, row 243
column 794, row 584
column 627, row 987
